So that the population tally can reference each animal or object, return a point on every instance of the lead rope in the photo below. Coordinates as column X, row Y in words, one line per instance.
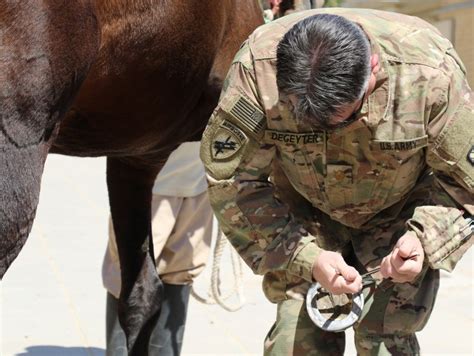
column 214, row 293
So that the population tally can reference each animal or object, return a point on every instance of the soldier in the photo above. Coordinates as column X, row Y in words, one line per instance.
column 369, row 117
column 273, row 9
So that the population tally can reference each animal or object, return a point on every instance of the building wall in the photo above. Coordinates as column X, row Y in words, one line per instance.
column 462, row 21
column 454, row 18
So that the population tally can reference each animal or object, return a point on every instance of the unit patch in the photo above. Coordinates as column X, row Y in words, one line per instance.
column 227, row 141
column 470, row 156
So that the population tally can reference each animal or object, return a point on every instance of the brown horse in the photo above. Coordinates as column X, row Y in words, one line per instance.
column 151, row 72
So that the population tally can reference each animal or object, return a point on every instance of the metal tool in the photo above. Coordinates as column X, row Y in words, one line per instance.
column 337, row 315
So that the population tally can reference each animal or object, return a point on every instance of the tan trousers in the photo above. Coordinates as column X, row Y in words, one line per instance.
column 182, row 231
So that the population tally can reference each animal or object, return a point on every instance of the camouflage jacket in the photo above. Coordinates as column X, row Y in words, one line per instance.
column 419, row 117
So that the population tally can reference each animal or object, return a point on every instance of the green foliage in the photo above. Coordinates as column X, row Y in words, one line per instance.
column 333, row 3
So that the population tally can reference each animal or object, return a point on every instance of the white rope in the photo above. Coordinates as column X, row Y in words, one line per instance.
column 214, row 293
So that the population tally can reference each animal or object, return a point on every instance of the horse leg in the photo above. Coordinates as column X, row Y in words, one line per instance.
column 130, row 189
column 46, row 48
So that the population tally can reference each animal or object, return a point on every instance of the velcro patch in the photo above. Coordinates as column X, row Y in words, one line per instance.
column 454, row 144
column 227, row 141
column 248, row 115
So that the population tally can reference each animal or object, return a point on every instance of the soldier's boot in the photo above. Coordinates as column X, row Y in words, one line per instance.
column 167, row 336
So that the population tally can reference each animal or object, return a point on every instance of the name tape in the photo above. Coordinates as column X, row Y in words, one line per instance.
column 296, row 138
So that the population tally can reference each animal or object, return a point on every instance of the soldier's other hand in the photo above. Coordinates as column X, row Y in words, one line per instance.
column 405, row 261
column 335, row 275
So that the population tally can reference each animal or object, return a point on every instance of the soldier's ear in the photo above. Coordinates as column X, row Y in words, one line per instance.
column 374, row 63
column 375, row 67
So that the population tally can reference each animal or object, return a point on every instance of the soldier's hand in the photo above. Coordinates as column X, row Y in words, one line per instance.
column 405, row 261
column 335, row 275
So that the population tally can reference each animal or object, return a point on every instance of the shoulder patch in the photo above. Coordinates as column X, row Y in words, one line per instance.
column 223, row 146
column 227, row 141
column 248, row 115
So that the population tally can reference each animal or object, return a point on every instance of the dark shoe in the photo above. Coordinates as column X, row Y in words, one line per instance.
column 167, row 337
column 116, row 343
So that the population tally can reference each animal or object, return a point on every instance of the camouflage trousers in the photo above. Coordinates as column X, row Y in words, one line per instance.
column 392, row 313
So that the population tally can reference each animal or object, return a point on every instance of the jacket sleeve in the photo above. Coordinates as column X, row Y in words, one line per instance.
column 442, row 228
column 258, row 225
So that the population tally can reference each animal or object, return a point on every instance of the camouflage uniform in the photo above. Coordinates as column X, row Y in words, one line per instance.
column 405, row 165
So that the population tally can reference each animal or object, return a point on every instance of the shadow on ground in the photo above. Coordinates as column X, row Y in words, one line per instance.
column 51, row 350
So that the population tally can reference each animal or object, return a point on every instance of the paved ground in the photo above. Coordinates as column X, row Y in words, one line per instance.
column 52, row 301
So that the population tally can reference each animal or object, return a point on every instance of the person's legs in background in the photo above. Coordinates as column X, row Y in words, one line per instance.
column 182, row 231
column 181, row 260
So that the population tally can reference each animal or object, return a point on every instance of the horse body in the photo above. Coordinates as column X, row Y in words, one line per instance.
column 43, row 61
column 151, row 73
column 156, row 79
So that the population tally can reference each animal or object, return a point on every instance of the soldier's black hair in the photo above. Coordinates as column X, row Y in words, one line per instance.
column 324, row 60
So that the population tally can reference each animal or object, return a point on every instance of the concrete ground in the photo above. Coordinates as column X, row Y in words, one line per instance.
column 52, row 301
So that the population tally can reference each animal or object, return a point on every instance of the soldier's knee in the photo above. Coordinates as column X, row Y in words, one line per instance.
column 386, row 344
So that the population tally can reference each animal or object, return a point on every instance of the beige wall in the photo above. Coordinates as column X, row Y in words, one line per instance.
column 462, row 33
column 454, row 18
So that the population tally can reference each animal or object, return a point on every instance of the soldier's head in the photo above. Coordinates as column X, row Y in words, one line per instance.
column 325, row 68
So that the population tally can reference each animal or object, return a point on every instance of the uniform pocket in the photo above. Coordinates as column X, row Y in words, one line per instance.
column 300, row 164
column 339, row 181
column 410, row 305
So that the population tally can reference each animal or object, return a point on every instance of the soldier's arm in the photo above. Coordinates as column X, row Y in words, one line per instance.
column 443, row 229
column 238, row 165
